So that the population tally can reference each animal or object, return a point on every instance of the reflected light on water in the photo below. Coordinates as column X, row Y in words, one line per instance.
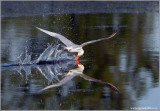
column 130, row 61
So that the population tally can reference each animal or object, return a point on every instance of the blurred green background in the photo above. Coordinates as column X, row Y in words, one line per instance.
column 130, row 61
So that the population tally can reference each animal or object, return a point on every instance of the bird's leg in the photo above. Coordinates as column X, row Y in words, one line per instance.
column 77, row 57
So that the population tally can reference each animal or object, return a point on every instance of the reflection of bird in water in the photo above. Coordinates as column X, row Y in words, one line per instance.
column 78, row 72
column 71, row 47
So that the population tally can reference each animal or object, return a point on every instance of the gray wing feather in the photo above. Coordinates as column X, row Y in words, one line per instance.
column 93, row 41
column 99, row 81
column 58, row 36
column 63, row 81
column 69, row 77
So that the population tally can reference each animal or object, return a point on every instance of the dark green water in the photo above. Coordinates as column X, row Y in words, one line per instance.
column 130, row 61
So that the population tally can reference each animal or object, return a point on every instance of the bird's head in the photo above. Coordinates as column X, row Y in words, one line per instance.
column 80, row 53
column 78, row 70
column 79, row 50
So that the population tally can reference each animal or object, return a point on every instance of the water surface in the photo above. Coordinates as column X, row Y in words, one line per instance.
column 130, row 61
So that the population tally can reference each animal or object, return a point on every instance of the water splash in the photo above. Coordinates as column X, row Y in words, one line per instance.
column 44, row 55
column 55, row 71
column 24, row 58
column 27, row 59
column 51, row 53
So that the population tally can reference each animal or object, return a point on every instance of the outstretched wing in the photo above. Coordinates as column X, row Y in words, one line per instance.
column 69, row 77
column 93, row 41
column 60, row 83
column 99, row 81
column 58, row 36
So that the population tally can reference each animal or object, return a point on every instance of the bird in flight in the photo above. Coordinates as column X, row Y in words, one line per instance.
column 79, row 72
column 70, row 46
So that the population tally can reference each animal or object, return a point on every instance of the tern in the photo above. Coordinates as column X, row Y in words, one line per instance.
column 70, row 46
column 78, row 72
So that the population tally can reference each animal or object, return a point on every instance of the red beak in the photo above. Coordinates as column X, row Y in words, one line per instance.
column 77, row 57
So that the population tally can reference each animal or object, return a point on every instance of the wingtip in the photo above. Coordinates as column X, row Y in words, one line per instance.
column 36, row 27
column 112, row 87
column 40, row 29
column 114, row 33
